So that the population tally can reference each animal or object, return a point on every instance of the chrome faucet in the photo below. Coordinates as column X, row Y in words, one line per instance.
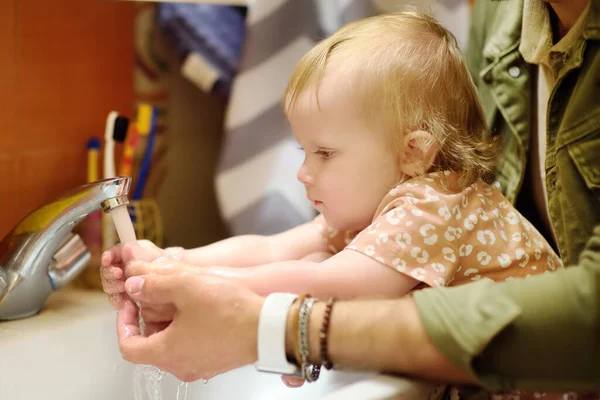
column 41, row 254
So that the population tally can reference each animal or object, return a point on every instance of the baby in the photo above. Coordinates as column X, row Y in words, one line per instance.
column 397, row 163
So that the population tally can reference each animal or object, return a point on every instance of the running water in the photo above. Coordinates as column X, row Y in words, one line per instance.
column 147, row 380
column 183, row 385
column 123, row 225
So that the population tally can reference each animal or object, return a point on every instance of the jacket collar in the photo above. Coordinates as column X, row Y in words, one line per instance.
column 507, row 26
column 592, row 28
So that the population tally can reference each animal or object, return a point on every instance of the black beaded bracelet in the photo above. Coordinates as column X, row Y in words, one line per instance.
column 323, row 334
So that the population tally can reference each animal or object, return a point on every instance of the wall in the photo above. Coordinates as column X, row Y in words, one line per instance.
column 65, row 64
column 193, row 135
column 187, row 198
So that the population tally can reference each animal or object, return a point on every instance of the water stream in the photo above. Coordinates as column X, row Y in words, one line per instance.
column 147, row 379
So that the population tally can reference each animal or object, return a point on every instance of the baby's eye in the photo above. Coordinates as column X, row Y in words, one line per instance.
column 326, row 154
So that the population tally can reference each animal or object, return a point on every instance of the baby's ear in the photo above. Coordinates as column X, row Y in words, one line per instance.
column 420, row 150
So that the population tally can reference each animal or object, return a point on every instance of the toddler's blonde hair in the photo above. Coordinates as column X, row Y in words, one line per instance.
column 410, row 75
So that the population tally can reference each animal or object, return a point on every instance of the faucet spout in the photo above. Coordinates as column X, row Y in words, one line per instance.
column 41, row 253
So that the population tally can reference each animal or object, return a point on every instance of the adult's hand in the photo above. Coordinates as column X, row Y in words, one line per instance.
column 114, row 261
column 214, row 327
column 157, row 313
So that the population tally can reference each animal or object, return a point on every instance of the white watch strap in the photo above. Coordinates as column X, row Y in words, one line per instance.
column 271, row 334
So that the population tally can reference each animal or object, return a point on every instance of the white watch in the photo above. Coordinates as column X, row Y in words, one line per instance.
column 271, row 335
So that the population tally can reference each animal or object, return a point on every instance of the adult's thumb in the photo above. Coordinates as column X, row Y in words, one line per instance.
column 154, row 289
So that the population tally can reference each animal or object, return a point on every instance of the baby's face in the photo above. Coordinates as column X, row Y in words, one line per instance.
column 348, row 166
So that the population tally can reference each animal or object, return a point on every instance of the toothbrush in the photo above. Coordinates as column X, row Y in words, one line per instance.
column 146, row 113
column 116, row 129
column 93, row 147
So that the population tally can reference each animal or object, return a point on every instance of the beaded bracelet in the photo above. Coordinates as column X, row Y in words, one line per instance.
column 309, row 372
column 323, row 334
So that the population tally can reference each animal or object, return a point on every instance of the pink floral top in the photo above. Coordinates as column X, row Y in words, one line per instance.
column 444, row 237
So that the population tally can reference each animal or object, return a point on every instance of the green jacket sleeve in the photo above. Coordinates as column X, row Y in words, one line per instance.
column 539, row 333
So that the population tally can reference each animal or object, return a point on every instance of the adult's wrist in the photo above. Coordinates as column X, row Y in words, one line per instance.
column 314, row 326
column 250, row 328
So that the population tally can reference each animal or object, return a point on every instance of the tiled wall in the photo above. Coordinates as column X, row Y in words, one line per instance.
column 63, row 65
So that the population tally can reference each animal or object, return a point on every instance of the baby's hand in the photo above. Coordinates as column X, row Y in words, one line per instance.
column 113, row 264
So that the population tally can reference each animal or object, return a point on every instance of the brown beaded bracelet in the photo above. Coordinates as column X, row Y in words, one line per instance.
column 323, row 334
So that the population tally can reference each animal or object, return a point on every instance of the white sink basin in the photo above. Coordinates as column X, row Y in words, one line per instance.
column 69, row 351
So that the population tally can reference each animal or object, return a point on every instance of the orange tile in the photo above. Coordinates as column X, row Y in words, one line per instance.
column 9, row 209
column 44, row 175
column 8, row 76
column 75, row 65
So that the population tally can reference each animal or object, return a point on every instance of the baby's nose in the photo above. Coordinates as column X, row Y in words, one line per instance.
column 303, row 175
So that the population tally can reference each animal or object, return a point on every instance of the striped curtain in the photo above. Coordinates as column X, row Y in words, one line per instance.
column 256, row 185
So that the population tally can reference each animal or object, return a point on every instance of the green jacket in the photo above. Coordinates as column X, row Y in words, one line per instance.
column 573, row 120
column 540, row 333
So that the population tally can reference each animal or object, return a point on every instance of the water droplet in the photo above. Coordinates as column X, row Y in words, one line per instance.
column 128, row 332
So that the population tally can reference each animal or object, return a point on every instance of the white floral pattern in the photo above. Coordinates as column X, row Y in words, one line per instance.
column 425, row 230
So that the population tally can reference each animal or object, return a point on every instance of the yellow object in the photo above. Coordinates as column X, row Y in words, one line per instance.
column 127, row 160
column 41, row 218
column 92, row 169
column 144, row 118
column 127, row 167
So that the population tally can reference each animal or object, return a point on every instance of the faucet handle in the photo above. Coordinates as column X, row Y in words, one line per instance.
column 68, row 261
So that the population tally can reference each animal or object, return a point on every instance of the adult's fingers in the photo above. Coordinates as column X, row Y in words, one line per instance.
column 158, row 313
column 155, row 327
column 292, row 381
column 135, row 347
column 155, row 289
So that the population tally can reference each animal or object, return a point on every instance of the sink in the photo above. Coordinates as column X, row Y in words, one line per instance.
column 69, row 352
